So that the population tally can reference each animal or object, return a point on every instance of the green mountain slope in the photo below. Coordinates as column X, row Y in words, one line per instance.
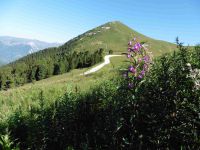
column 114, row 36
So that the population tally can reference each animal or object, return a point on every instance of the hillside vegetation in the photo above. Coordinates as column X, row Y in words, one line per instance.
column 54, row 87
column 162, row 112
column 38, row 67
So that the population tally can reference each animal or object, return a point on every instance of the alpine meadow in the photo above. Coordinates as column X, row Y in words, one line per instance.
column 105, row 87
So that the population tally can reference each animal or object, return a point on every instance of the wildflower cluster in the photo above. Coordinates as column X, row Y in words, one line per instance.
column 140, row 59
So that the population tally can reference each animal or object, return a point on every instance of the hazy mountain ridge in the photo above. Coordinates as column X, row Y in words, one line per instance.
column 12, row 48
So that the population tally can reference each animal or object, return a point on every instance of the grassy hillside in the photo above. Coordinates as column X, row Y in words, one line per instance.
column 114, row 36
column 54, row 87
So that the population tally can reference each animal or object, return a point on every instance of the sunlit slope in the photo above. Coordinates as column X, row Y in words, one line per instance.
column 114, row 36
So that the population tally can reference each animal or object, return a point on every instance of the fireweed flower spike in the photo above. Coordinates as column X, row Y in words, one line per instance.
column 140, row 60
column 137, row 46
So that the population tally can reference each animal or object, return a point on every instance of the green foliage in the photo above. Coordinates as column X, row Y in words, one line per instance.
column 32, row 74
column 6, row 143
column 39, row 67
column 110, row 51
column 168, row 103
column 56, row 70
column 40, row 72
column 54, row 87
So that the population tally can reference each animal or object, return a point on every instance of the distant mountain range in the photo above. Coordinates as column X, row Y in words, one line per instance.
column 13, row 48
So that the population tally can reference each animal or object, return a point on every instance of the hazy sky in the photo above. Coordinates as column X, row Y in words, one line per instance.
column 61, row 20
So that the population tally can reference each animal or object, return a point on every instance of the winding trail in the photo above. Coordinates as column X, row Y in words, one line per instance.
column 106, row 61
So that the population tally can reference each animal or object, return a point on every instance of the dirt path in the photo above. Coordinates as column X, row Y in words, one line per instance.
column 106, row 61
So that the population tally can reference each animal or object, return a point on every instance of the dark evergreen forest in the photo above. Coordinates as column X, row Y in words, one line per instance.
column 46, row 63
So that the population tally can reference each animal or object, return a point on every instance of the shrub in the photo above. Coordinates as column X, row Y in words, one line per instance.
column 110, row 51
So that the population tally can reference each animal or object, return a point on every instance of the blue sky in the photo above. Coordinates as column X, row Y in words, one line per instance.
column 61, row 20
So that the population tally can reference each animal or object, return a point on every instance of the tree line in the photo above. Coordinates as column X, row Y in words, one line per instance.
column 42, row 65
